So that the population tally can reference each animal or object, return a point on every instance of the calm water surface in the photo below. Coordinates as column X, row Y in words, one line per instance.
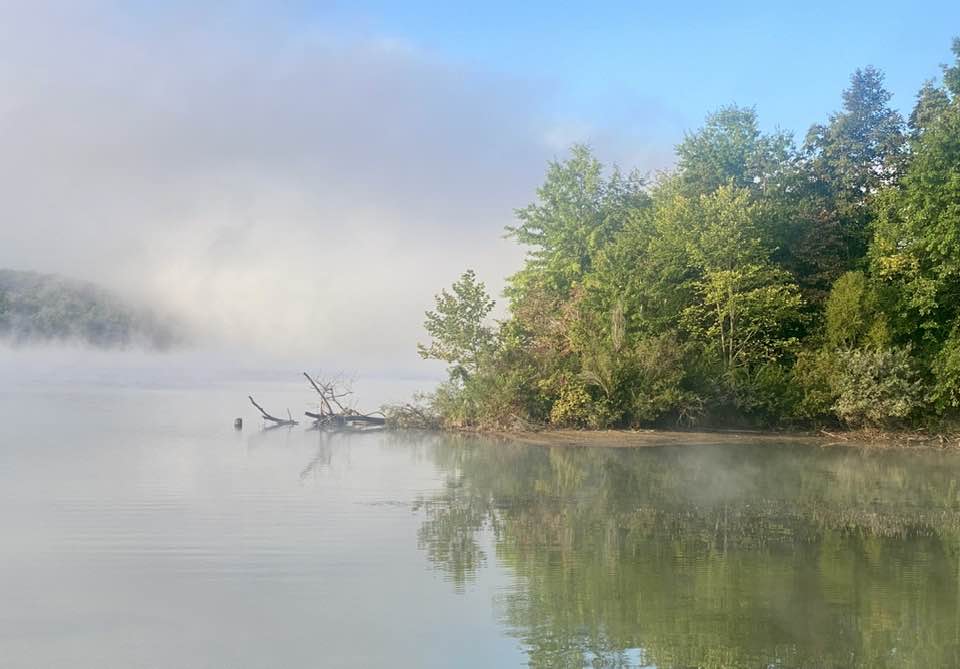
column 140, row 530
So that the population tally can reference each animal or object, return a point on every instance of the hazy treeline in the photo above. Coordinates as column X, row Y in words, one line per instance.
column 762, row 281
column 44, row 308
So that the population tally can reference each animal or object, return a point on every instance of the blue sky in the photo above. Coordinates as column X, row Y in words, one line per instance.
column 683, row 59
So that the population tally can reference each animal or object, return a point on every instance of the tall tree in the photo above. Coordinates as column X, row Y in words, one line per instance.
column 747, row 306
column 457, row 326
column 730, row 148
column 647, row 268
column 578, row 211
column 851, row 159
column 932, row 102
column 861, row 148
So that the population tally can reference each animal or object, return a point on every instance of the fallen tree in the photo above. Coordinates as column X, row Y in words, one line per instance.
column 334, row 413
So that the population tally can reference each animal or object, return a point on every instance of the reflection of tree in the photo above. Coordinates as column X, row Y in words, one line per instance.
column 328, row 442
column 450, row 533
column 710, row 557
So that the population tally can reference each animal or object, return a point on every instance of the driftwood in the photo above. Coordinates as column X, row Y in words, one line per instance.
column 334, row 413
column 276, row 421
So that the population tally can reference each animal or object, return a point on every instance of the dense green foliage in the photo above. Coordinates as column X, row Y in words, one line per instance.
column 759, row 283
column 38, row 308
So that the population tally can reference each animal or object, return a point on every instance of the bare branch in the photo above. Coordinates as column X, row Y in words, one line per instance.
column 274, row 419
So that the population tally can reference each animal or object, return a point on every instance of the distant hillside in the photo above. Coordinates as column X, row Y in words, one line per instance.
column 45, row 308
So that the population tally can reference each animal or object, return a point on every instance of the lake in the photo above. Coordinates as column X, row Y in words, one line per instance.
column 141, row 530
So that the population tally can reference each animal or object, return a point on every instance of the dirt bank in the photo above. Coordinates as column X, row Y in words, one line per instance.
column 649, row 438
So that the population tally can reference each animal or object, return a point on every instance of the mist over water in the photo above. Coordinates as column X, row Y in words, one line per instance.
column 244, row 372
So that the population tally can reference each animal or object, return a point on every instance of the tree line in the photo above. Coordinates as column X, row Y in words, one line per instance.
column 761, row 282
column 46, row 308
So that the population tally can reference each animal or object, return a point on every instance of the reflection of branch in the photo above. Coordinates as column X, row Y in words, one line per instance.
column 323, row 456
column 278, row 421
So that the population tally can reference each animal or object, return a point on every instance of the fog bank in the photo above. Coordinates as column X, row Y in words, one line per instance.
column 298, row 189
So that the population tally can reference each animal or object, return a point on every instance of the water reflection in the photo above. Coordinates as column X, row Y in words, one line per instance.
column 321, row 459
column 142, row 530
column 744, row 556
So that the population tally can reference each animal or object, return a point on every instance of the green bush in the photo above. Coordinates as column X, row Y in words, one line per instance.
column 875, row 387
column 573, row 407
column 765, row 394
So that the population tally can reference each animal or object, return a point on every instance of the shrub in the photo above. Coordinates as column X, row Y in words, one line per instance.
column 765, row 393
column 420, row 414
column 497, row 399
column 574, row 406
column 875, row 387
